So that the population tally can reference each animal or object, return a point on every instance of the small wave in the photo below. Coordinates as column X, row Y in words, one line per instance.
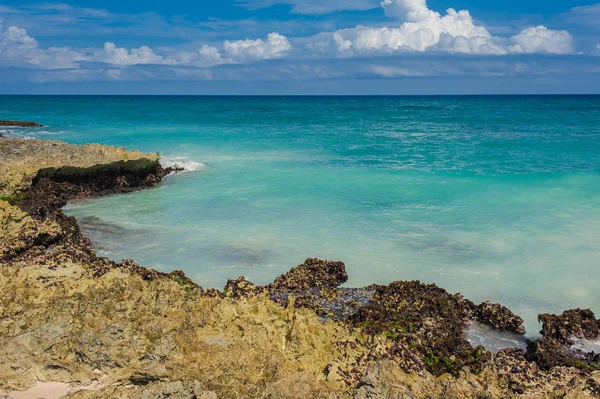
column 181, row 162
column 27, row 133
column 585, row 346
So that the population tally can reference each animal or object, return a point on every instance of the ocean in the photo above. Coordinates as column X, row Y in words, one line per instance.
column 495, row 197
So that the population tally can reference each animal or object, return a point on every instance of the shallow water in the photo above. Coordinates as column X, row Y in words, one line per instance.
column 492, row 340
column 494, row 197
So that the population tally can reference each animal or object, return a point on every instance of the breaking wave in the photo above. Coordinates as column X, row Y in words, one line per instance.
column 182, row 162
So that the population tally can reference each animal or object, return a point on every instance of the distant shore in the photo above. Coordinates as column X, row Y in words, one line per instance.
column 120, row 329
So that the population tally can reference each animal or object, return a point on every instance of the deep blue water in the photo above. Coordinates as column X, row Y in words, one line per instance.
column 494, row 197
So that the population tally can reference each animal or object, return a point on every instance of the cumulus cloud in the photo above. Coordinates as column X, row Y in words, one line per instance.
column 596, row 51
column 234, row 52
column 423, row 29
column 17, row 48
column 112, row 54
column 276, row 46
column 410, row 11
column 210, row 56
column 418, row 29
column 540, row 39
column 16, row 44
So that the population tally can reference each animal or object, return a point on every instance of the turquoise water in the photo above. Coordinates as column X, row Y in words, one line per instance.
column 494, row 197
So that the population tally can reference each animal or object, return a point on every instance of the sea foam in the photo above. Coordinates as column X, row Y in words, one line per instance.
column 188, row 165
column 585, row 346
column 26, row 132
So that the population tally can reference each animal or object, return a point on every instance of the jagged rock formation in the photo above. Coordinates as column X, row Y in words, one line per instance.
column 558, row 334
column 500, row 317
column 21, row 159
column 120, row 330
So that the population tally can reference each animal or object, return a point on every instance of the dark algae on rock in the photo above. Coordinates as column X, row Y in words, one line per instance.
column 576, row 323
column 427, row 319
column 52, row 188
column 499, row 317
column 559, row 333
column 313, row 273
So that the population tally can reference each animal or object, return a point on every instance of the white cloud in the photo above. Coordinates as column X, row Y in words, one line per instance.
column 408, row 10
column 540, row 39
column 426, row 30
column 313, row 7
column 16, row 44
column 112, row 54
column 234, row 52
column 418, row 30
column 276, row 46
column 205, row 57
column 210, row 55
column 17, row 48
column 596, row 51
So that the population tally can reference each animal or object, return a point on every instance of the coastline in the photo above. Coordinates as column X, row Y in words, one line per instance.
column 143, row 330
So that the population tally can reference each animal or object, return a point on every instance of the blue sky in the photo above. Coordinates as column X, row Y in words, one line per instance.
column 300, row 47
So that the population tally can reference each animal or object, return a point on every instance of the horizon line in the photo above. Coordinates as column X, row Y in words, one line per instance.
column 299, row 95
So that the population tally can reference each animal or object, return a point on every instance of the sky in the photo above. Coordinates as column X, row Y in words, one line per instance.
column 303, row 47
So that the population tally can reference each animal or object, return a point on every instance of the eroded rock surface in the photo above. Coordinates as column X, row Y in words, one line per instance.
column 23, row 158
column 558, row 335
column 577, row 323
column 499, row 317
column 120, row 330
column 313, row 273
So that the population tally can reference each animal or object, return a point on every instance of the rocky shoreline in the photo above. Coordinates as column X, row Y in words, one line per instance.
column 108, row 329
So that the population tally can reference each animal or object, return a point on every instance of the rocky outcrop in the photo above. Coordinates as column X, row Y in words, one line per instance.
column 558, row 335
column 8, row 123
column 577, row 323
column 426, row 319
column 122, row 330
column 314, row 273
column 23, row 158
column 52, row 188
column 499, row 317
